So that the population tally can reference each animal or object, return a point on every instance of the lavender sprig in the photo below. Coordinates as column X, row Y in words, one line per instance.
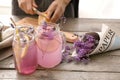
column 47, row 33
column 82, row 48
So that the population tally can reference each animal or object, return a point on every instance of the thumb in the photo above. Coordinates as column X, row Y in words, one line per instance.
column 34, row 4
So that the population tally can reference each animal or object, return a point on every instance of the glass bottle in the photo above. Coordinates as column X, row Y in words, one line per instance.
column 25, row 51
column 50, row 44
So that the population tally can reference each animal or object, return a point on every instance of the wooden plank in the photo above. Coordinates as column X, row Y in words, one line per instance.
column 113, row 53
column 7, row 63
column 89, row 24
column 99, row 62
column 104, row 66
column 58, row 75
column 28, row 20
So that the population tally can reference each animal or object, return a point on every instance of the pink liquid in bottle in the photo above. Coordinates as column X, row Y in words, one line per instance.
column 25, row 53
column 49, row 50
column 29, row 62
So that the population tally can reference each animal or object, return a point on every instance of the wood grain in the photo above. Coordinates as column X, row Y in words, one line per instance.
column 99, row 62
column 58, row 75
column 104, row 66
column 28, row 20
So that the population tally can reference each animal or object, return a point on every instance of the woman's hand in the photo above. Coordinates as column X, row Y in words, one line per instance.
column 27, row 6
column 56, row 9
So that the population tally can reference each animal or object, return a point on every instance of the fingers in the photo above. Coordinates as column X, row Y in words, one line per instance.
column 29, row 8
column 34, row 4
column 57, row 14
column 56, row 10
column 51, row 9
column 26, row 6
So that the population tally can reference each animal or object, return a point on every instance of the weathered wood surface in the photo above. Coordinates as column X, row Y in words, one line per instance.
column 104, row 66
column 102, row 63
column 58, row 75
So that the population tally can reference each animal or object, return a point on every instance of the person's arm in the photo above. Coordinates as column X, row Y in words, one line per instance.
column 56, row 9
column 27, row 5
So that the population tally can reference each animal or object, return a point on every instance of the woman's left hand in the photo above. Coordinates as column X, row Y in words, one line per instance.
column 56, row 9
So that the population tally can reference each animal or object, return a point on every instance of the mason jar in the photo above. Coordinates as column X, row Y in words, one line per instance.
column 25, row 51
column 50, row 45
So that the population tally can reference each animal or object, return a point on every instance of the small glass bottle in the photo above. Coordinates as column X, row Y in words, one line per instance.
column 25, row 51
column 50, row 44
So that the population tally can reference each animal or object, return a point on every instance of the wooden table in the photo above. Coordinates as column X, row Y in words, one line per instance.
column 105, row 66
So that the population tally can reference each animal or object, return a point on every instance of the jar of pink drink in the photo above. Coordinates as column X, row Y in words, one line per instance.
column 25, row 51
column 50, row 45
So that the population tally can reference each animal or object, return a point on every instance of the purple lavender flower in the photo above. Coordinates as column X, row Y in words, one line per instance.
column 67, row 48
column 48, row 31
column 76, row 58
column 44, row 25
column 66, row 57
column 84, row 47
column 85, row 60
column 48, row 35
column 82, row 52
column 63, row 19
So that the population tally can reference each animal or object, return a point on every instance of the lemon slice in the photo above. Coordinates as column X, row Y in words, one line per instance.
column 25, row 49
column 16, row 49
column 41, row 19
column 17, row 57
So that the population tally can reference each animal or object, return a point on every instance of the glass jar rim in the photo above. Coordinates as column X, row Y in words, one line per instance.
column 31, row 35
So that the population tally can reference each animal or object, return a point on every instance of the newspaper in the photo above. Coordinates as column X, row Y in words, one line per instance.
column 109, row 40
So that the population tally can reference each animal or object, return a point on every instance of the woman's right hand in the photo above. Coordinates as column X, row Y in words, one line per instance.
column 27, row 6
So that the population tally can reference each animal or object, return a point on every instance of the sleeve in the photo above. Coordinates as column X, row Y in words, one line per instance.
column 75, row 5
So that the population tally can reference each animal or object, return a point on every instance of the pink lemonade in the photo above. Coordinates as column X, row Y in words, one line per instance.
column 49, row 50
column 28, row 63
column 25, row 55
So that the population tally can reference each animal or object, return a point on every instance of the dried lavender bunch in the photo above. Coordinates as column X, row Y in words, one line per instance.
column 81, row 48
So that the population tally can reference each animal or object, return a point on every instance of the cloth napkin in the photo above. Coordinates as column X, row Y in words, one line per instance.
column 6, row 37
column 6, row 42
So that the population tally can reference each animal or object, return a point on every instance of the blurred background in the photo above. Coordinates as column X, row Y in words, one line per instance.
column 108, row 9
column 5, row 7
